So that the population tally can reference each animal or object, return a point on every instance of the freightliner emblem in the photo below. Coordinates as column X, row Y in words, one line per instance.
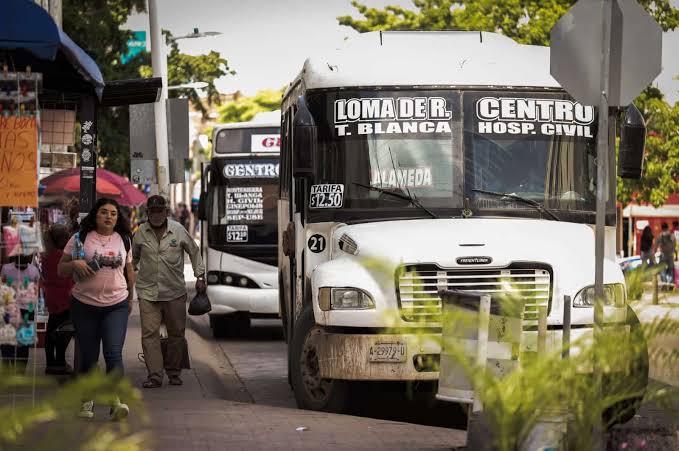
column 474, row 260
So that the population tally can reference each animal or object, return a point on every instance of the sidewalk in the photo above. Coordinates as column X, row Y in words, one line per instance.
column 213, row 411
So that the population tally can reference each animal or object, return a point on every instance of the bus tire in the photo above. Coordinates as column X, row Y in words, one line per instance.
column 625, row 410
column 312, row 392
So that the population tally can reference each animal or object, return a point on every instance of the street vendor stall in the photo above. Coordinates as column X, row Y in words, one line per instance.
column 45, row 79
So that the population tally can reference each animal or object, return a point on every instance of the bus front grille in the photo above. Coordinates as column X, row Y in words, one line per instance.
column 419, row 287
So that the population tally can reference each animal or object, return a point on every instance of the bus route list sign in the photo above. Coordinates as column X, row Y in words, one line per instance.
column 18, row 161
column 244, row 203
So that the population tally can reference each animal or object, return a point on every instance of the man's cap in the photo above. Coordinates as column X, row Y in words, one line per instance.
column 156, row 201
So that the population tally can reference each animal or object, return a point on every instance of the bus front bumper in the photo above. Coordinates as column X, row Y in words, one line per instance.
column 227, row 299
column 348, row 356
column 352, row 356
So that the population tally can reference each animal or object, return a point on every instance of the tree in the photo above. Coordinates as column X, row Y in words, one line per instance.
column 95, row 25
column 183, row 68
column 529, row 22
column 245, row 108
column 525, row 21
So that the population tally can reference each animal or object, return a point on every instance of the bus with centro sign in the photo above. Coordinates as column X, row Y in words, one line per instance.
column 239, row 222
column 415, row 162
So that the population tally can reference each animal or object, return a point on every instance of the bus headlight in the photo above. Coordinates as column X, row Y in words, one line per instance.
column 344, row 299
column 614, row 295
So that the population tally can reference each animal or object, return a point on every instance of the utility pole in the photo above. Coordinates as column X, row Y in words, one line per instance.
column 159, row 61
column 53, row 7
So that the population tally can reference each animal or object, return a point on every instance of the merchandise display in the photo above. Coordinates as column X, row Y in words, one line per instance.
column 20, row 285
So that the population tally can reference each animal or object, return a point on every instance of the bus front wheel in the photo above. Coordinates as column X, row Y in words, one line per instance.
column 311, row 391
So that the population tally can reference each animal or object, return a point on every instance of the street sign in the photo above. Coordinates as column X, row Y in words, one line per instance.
column 577, row 49
column 143, row 140
column 135, row 46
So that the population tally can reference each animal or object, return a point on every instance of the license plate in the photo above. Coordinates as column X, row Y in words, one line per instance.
column 388, row 352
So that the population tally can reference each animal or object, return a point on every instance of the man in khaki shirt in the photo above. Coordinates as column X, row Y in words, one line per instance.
column 158, row 255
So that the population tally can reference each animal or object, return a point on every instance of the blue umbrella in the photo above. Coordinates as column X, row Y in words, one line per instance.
column 25, row 26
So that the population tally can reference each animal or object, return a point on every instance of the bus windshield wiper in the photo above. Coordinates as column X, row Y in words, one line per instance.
column 401, row 195
column 539, row 207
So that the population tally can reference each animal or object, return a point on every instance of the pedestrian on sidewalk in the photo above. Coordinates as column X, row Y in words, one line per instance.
column 100, row 303
column 57, row 300
column 666, row 244
column 159, row 248
column 646, row 253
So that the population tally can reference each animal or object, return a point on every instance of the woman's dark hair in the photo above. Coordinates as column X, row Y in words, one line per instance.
column 647, row 233
column 90, row 222
column 58, row 235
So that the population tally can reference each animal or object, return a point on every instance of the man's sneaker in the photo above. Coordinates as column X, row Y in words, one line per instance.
column 119, row 411
column 87, row 410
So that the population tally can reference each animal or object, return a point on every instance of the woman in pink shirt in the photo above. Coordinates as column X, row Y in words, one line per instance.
column 101, row 297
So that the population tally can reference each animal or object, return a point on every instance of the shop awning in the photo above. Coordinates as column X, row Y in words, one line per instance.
column 648, row 211
column 30, row 31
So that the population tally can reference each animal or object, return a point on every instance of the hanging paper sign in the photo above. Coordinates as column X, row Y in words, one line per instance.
column 18, row 161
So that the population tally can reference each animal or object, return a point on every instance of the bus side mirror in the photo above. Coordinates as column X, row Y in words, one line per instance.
column 202, row 206
column 304, row 136
column 632, row 143
column 202, row 201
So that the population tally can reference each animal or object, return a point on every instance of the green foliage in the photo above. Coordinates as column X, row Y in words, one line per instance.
column 245, row 108
column 661, row 166
column 183, row 68
column 526, row 21
column 534, row 387
column 53, row 417
column 95, row 25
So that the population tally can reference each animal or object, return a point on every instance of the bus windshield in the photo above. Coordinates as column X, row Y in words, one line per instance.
column 443, row 147
column 243, row 192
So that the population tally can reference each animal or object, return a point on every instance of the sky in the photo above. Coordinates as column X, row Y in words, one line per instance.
column 267, row 41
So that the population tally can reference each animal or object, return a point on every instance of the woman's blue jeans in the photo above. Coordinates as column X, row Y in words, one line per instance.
column 96, row 327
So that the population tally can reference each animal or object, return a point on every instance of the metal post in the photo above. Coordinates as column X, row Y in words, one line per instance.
column 88, row 153
column 159, row 61
column 542, row 330
column 602, row 168
column 602, row 153
column 482, row 342
column 655, row 288
column 631, row 239
column 55, row 10
column 566, row 336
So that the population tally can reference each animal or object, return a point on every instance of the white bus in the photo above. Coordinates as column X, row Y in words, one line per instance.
column 239, row 229
column 418, row 161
